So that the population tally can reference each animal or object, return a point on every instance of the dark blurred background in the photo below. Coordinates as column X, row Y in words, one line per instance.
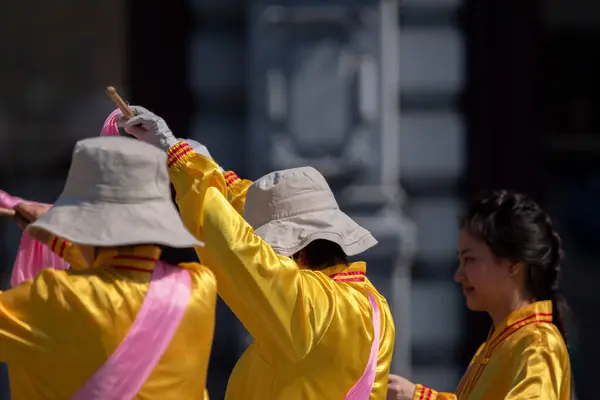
column 408, row 107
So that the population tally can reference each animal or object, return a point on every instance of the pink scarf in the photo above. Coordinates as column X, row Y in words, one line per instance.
column 130, row 365
column 363, row 387
column 32, row 256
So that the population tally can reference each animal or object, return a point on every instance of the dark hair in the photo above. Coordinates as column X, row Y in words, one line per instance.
column 320, row 254
column 517, row 229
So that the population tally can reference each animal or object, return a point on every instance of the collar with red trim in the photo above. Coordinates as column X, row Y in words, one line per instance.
column 540, row 311
column 353, row 272
column 133, row 258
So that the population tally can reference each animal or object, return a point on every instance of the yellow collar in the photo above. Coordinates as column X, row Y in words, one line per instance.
column 540, row 311
column 133, row 258
column 354, row 272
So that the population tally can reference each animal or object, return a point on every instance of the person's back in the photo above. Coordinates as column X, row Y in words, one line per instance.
column 343, row 345
column 79, row 317
column 65, row 333
column 288, row 280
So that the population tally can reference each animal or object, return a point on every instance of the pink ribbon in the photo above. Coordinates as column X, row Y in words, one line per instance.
column 364, row 386
column 110, row 127
column 32, row 256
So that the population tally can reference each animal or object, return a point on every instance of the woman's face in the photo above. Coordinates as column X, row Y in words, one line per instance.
column 485, row 279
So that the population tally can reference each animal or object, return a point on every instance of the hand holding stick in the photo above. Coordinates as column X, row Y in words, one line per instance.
column 18, row 218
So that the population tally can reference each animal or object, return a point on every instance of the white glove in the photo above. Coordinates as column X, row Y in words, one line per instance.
column 148, row 127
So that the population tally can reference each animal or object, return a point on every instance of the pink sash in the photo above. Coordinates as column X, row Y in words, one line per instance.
column 32, row 256
column 363, row 387
column 123, row 374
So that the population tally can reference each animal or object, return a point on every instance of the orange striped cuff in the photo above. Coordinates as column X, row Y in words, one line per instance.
column 424, row 393
column 58, row 245
column 231, row 178
column 178, row 153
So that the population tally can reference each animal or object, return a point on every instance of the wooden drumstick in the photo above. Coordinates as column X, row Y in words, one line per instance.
column 7, row 212
column 119, row 102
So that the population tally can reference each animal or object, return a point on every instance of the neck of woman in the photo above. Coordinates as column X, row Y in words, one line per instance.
column 503, row 310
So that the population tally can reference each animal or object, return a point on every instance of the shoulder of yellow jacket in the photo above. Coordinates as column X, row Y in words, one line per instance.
column 541, row 338
column 200, row 269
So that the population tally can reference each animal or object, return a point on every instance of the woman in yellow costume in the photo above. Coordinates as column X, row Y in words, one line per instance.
column 121, row 324
column 509, row 267
column 321, row 330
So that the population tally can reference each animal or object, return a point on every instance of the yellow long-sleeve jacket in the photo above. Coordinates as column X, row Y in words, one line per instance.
column 312, row 330
column 525, row 358
column 58, row 329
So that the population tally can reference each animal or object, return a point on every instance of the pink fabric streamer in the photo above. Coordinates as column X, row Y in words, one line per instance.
column 129, row 366
column 32, row 256
column 364, row 386
column 110, row 127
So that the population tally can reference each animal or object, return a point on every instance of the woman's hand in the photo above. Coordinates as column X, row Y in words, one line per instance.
column 28, row 213
column 400, row 388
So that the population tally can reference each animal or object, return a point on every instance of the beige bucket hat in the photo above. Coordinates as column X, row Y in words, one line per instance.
column 289, row 209
column 117, row 193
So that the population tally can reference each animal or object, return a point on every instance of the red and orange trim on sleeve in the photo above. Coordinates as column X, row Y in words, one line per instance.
column 178, row 153
column 58, row 245
column 231, row 178
column 182, row 151
column 424, row 393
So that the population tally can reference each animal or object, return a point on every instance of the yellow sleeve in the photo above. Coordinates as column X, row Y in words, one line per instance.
column 29, row 316
column 236, row 190
column 67, row 251
column 193, row 167
column 423, row 392
column 261, row 288
column 537, row 373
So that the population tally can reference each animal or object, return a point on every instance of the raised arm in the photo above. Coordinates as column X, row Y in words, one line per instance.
column 267, row 292
column 194, row 165
column 152, row 129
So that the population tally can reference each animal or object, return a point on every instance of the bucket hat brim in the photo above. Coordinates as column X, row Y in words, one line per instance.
column 289, row 235
column 107, row 224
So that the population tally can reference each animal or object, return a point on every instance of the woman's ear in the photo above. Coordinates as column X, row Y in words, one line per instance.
column 515, row 268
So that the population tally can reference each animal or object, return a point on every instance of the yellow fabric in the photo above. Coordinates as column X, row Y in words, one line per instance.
column 525, row 358
column 67, row 251
column 58, row 329
column 312, row 330
column 232, row 187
